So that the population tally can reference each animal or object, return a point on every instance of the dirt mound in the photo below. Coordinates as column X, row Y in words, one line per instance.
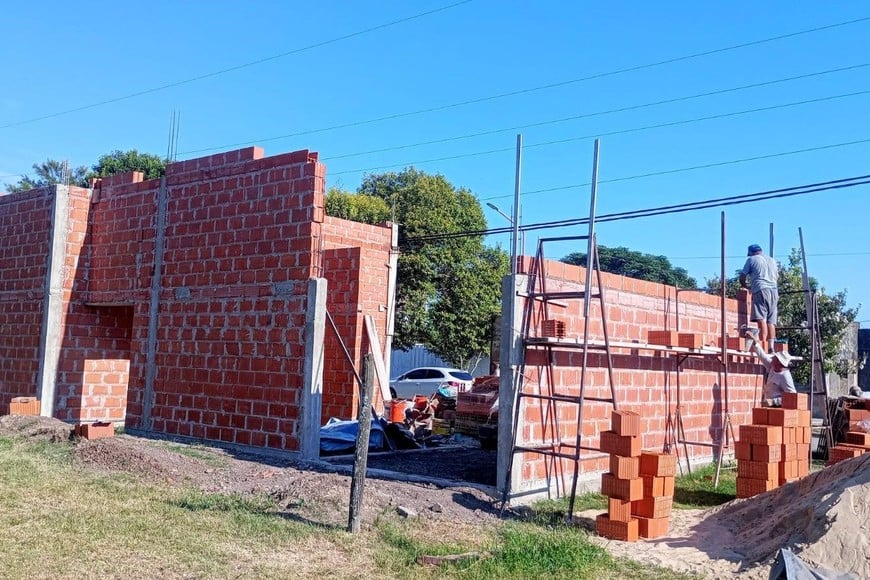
column 824, row 518
column 35, row 427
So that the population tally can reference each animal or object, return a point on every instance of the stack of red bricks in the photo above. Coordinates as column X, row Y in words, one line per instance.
column 775, row 448
column 639, row 486
column 673, row 338
column 857, row 442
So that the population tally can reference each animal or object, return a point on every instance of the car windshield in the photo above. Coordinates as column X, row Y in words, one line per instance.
column 461, row 375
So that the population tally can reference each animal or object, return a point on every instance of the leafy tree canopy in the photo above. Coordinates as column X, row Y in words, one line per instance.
column 153, row 166
column 448, row 291
column 625, row 262
column 51, row 171
column 835, row 318
column 48, row 173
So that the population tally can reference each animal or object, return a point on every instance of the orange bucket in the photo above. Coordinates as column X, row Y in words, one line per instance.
column 397, row 410
column 420, row 401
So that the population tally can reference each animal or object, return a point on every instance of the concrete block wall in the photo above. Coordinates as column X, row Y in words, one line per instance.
column 648, row 382
column 25, row 244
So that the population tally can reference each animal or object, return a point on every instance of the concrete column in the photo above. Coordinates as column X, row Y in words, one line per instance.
column 312, row 372
column 154, row 307
column 510, row 361
column 52, row 302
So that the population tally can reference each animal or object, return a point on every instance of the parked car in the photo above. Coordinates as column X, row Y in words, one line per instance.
column 426, row 380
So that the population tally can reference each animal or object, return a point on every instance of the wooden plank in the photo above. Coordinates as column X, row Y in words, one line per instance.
column 377, row 357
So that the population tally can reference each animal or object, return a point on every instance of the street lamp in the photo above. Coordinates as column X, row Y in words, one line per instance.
column 494, row 207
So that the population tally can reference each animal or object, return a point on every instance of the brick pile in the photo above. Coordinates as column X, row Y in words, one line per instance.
column 775, row 448
column 639, row 485
column 857, row 442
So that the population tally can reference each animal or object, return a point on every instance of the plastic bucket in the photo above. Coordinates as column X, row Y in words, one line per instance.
column 397, row 410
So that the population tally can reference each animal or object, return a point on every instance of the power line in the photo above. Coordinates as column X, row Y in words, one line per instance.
column 667, row 209
column 599, row 113
column 607, row 134
column 685, row 169
column 248, row 64
column 531, row 89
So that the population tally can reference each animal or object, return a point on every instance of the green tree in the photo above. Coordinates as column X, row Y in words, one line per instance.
column 125, row 161
column 625, row 262
column 835, row 318
column 367, row 209
column 48, row 173
column 448, row 289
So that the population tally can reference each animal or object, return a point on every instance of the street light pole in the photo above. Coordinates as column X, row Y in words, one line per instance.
column 510, row 220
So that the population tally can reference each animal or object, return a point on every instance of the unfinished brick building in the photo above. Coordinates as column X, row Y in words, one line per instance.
column 647, row 380
column 191, row 305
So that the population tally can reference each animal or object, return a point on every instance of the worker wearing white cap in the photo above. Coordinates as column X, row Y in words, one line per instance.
column 779, row 379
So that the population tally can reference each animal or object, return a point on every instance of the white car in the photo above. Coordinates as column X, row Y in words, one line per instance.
column 426, row 380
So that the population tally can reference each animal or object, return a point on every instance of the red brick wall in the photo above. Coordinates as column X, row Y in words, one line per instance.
column 355, row 259
column 646, row 381
column 25, row 244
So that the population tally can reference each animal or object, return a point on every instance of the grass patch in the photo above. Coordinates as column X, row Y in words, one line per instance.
column 201, row 453
column 696, row 490
column 555, row 511
column 523, row 550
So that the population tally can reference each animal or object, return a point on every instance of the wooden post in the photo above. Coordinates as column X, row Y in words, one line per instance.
column 361, row 456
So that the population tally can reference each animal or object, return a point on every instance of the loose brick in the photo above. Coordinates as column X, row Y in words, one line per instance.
column 795, row 401
column 24, row 406
column 858, row 438
column 653, row 527
column 761, row 434
column 616, row 530
column 759, row 416
column 690, row 340
column 624, row 489
column 663, row 337
column 653, row 507
column 658, row 464
column 782, row 417
column 743, row 451
column 619, row 509
column 854, row 415
column 747, row 487
column 625, row 423
column 625, row 446
column 767, row 453
column 625, row 467
column 839, row 453
column 95, row 430
column 758, row 470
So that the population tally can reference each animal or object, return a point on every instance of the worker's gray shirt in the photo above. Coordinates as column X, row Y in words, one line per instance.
column 777, row 382
column 762, row 271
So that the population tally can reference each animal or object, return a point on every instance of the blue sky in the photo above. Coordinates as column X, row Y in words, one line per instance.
column 60, row 56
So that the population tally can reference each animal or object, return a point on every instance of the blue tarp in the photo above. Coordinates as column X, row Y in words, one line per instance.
column 338, row 435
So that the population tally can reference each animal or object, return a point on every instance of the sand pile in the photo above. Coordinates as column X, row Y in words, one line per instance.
column 824, row 518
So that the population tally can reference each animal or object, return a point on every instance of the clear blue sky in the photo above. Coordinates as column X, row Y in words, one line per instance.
column 60, row 55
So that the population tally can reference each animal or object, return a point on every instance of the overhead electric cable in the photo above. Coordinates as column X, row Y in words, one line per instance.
column 524, row 91
column 247, row 65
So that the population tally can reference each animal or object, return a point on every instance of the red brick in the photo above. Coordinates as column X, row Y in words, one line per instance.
column 625, row 446
column 795, row 401
column 782, row 417
column 767, row 453
column 624, row 489
column 690, row 340
column 758, row 470
column 663, row 337
column 658, row 486
column 24, row 406
column 625, row 467
column 652, row 507
column 619, row 510
column 651, row 528
column 626, row 423
column 615, row 530
column 759, row 416
column 658, row 464
column 761, row 434
column 839, row 453
column 789, row 452
column 858, row 438
column 747, row 487
column 95, row 430
column 743, row 451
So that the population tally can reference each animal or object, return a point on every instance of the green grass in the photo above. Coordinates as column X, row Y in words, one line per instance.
column 204, row 454
column 520, row 550
column 696, row 490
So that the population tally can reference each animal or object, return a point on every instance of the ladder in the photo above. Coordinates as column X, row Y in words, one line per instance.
column 554, row 444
